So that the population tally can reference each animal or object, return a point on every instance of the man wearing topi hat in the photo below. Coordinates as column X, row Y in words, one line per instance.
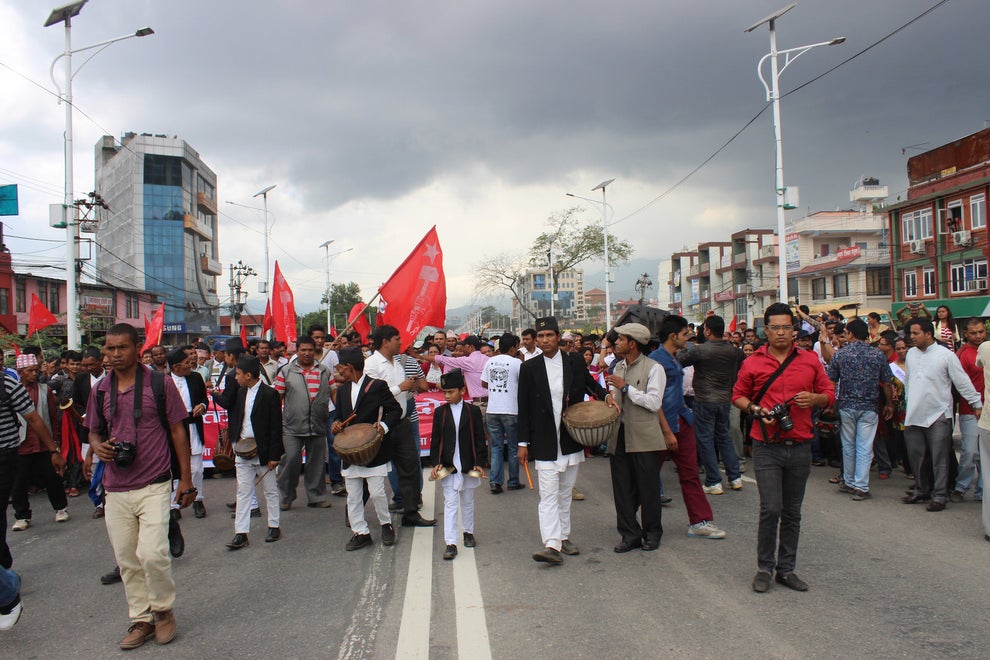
column 35, row 455
column 547, row 384
column 637, row 383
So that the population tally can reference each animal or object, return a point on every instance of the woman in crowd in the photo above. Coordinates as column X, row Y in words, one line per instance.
column 945, row 328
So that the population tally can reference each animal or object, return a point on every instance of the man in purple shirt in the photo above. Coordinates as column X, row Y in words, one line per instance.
column 471, row 363
column 140, row 450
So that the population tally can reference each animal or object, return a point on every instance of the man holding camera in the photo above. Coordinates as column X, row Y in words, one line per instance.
column 137, row 438
column 778, row 386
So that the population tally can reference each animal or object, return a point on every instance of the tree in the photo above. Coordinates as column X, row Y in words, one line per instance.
column 342, row 297
column 574, row 243
column 502, row 272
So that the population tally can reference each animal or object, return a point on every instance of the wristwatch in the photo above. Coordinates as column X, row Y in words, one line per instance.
column 625, row 388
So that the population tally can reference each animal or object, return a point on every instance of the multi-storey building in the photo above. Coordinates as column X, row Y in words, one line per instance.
column 161, row 232
column 534, row 288
column 939, row 234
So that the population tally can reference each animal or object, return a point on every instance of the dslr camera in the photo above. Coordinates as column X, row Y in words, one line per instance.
column 782, row 413
column 126, row 453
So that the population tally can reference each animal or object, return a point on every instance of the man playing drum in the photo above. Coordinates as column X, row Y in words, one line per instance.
column 364, row 400
column 637, row 385
column 546, row 385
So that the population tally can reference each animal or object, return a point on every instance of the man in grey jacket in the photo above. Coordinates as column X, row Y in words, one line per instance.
column 716, row 364
column 304, row 385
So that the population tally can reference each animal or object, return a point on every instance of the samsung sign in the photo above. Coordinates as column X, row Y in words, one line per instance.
column 175, row 328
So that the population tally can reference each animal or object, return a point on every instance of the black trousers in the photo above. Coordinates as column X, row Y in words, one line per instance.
column 405, row 458
column 32, row 465
column 781, row 476
column 636, row 485
column 9, row 461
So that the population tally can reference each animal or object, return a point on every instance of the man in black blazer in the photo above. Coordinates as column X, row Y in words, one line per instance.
column 192, row 389
column 369, row 400
column 549, row 383
column 257, row 415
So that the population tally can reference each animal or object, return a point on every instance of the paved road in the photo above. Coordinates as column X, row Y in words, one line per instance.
column 887, row 580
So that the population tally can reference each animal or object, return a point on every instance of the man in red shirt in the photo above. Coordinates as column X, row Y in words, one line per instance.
column 780, row 373
column 970, row 469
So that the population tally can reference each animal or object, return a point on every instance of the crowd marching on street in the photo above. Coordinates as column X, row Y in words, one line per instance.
column 126, row 429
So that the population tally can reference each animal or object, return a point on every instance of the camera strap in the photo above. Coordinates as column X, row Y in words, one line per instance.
column 763, row 390
column 138, row 396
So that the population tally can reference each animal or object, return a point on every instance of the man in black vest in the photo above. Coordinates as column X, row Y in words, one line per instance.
column 547, row 384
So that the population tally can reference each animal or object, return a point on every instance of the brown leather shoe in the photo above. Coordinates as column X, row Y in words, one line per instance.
column 164, row 626
column 137, row 634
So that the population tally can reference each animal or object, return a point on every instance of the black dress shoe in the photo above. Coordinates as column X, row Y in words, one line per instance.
column 417, row 520
column 914, row 499
column 388, row 534
column 450, row 552
column 514, row 487
column 626, row 546
column 358, row 541
column 176, row 544
column 548, row 556
column 469, row 541
column 496, row 489
column 111, row 577
column 274, row 534
column 935, row 506
column 199, row 510
column 232, row 506
column 650, row 546
column 569, row 548
column 238, row 542
column 761, row 583
column 791, row 581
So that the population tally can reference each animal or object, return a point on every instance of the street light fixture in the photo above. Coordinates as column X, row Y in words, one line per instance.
column 263, row 286
column 329, row 256
column 608, row 274
column 65, row 14
column 773, row 95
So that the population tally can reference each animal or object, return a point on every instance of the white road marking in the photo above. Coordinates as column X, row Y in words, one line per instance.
column 359, row 639
column 414, row 629
column 472, row 628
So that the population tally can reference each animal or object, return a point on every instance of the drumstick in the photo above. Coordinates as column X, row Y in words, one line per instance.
column 261, row 477
column 528, row 477
column 348, row 420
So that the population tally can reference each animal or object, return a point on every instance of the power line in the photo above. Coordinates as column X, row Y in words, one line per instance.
column 763, row 109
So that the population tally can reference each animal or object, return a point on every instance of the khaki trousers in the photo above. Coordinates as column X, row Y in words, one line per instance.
column 137, row 523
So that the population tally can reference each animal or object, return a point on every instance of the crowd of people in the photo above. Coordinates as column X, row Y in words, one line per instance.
column 127, row 429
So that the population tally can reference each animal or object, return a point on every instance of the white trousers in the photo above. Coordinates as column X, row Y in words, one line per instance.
column 247, row 472
column 355, row 502
column 555, row 504
column 452, row 499
column 985, row 461
column 196, row 467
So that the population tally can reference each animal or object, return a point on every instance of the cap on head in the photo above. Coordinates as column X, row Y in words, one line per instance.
column 452, row 380
column 25, row 360
column 547, row 323
column 639, row 332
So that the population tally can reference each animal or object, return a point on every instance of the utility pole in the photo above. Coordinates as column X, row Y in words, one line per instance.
column 239, row 272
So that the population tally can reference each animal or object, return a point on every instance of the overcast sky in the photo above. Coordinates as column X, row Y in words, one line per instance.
column 379, row 119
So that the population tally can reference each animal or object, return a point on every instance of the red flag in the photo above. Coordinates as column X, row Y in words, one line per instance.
column 283, row 309
column 732, row 326
column 17, row 350
column 359, row 322
column 153, row 330
column 416, row 294
column 39, row 317
column 244, row 335
column 266, row 324
column 333, row 332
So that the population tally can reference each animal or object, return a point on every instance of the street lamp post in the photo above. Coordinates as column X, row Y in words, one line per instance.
column 65, row 15
column 773, row 95
column 643, row 283
column 326, row 246
column 608, row 274
column 263, row 286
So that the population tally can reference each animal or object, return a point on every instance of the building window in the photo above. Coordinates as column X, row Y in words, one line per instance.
column 928, row 281
column 878, row 282
column 42, row 291
column 978, row 211
column 4, row 301
column 824, row 250
column 539, row 282
column 963, row 276
column 818, row 289
column 740, row 307
column 916, row 225
column 840, row 285
column 20, row 297
column 53, row 298
column 910, row 284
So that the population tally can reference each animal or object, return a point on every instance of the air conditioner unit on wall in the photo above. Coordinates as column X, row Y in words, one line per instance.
column 976, row 285
column 917, row 247
column 962, row 238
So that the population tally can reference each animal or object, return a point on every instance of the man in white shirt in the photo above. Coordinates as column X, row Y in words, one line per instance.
column 529, row 349
column 383, row 365
column 501, row 376
column 932, row 371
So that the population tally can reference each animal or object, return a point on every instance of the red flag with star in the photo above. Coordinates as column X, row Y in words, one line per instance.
column 416, row 294
column 39, row 316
